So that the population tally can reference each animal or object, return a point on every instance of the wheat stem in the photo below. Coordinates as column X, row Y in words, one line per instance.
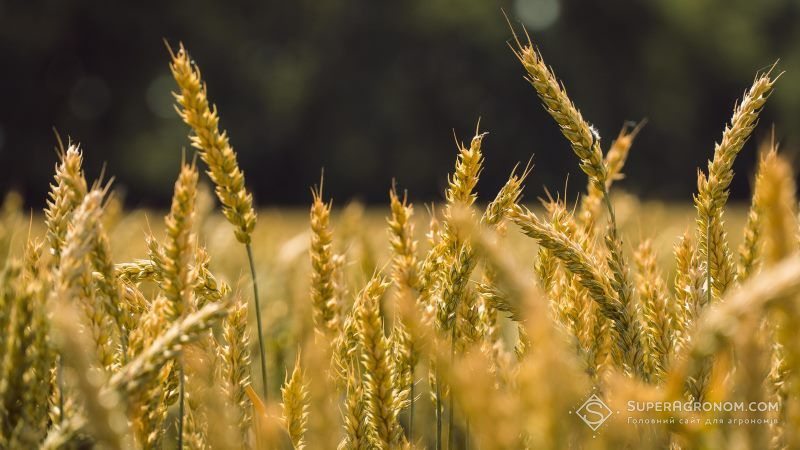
column 181, row 403
column 450, row 405
column 411, row 412
column 438, row 410
column 261, row 348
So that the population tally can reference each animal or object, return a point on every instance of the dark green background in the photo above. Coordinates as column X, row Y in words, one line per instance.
column 372, row 90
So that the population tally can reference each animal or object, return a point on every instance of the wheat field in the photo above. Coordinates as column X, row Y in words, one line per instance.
column 478, row 322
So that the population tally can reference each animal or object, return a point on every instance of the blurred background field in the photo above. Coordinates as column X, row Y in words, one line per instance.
column 374, row 90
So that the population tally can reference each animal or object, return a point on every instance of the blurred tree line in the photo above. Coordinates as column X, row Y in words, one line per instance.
column 372, row 90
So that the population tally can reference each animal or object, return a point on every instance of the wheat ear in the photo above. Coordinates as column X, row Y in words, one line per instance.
column 72, row 279
column 689, row 288
column 659, row 315
column 582, row 137
column 235, row 354
column 405, row 271
column 459, row 259
column 14, row 364
column 777, row 194
column 592, row 277
column 750, row 250
column 215, row 150
column 296, row 405
column 323, row 290
column 585, row 142
column 354, row 415
column 166, row 346
column 775, row 287
column 40, row 354
column 780, row 208
column 177, row 283
column 712, row 188
column 109, row 287
column 385, row 431
column 65, row 195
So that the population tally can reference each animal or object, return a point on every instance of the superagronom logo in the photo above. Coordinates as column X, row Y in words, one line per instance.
column 594, row 412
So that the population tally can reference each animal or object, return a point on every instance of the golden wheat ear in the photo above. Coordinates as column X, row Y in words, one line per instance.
column 583, row 138
column 177, row 283
column 215, row 150
column 658, row 311
column 379, row 392
column 296, row 405
column 777, row 194
column 65, row 196
column 712, row 187
column 405, row 266
column 323, row 290
column 235, row 355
